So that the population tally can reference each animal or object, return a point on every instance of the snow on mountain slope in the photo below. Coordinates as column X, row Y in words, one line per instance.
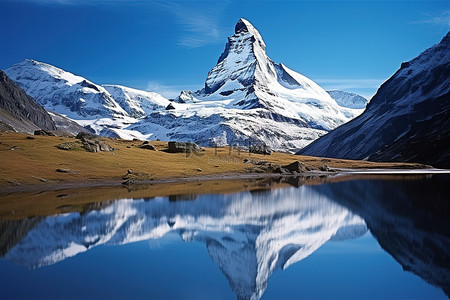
column 349, row 100
column 351, row 104
column 418, row 91
column 249, row 235
column 247, row 98
column 245, row 69
column 86, row 103
column 64, row 92
column 137, row 103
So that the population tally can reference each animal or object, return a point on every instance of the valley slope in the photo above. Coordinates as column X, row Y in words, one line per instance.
column 407, row 120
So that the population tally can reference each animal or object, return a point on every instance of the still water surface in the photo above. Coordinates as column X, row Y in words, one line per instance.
column 358, row 239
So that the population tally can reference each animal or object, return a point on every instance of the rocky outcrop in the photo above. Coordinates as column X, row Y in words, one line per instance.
column 260, row 149
column 20, row 111
column 183, row 147
column 44, row 132
column 147, row 145
column 93, row 143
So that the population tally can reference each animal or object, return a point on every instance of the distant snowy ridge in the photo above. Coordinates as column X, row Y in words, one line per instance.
column 246, row 97
column 349, row 100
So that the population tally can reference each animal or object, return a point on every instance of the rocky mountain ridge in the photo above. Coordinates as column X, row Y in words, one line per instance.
column 407, row 120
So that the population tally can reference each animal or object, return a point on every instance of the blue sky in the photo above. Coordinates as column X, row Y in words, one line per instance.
column 167, row 46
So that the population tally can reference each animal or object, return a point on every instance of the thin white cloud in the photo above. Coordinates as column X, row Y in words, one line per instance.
column 349, row 83
column 199, row 23
column 441, row 19
column 365, row 87
column 168, row 91
column 198, row 20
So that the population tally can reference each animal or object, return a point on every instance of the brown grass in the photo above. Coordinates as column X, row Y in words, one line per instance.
column 33, row 162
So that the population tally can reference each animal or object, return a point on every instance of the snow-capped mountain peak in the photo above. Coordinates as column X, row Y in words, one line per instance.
column 246, row 98
column 245, row 26
column 63, row 92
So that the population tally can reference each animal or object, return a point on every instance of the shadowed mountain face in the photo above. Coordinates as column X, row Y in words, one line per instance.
column 250, row 235
column 20, row 111
column 407, row 120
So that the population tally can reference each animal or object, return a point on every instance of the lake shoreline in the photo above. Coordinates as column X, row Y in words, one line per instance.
column 331, row 176
column 37, row 163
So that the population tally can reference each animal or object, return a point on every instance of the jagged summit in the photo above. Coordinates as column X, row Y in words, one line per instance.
column 245, row 26
column 242, row 25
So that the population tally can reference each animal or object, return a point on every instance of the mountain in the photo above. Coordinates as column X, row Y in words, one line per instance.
column 88, row 104
column 246, row 98
column 349, row 100
column 407, row 120
column 20, row 112
column 248, row 235
column 63, row 92
column 136, row 103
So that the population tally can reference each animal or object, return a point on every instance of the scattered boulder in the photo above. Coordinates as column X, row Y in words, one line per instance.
column 297, row 166
column 30, row 137
column 68, row 146
column 260, row 149
column 147, row 145
column 281, row 170
column 260, row 166
column 324, row 168
column 68, row 171
column 40, row 179
column 86, row 135
column 93, row 143
column 183, row 147
column 132, row 176
column 200, row 170
column 44, row 132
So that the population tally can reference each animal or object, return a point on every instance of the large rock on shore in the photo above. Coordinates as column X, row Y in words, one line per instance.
column 93, row 143
column 182, row 147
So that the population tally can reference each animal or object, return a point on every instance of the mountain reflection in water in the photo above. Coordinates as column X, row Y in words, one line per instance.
column 249, row 235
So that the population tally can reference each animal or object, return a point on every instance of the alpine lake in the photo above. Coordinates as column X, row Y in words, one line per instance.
column 356, row 237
